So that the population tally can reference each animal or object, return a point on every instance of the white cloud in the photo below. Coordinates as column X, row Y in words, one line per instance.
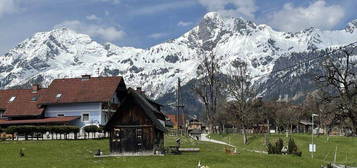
column 8, row 7
column 147, row 10
column 234, row 8
column 106, row 33
column 158, row 35
column 106, row 13
column 317, row 14
column 110, row 1
column 184, row 24
column 92, row 17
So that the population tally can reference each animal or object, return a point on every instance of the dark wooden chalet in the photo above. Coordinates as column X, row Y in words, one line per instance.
column 137, row 127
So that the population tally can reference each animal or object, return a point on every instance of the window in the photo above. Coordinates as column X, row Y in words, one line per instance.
column 1, row 114
column 58, row 95
column 116, row 137
column 12, row 98
column 34, row 98
column 60, row 115
column 85, row 117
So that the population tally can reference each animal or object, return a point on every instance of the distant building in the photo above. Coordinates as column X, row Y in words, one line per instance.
column 194, row 124
column 178, row 120
column 194, row 128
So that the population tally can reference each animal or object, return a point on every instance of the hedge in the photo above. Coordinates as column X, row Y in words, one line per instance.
column 30, row 130
column 91, row 129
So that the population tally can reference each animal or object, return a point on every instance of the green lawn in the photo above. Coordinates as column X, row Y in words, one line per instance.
column 68, row 154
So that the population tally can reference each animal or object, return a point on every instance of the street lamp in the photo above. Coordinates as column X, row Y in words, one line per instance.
column 312, row 146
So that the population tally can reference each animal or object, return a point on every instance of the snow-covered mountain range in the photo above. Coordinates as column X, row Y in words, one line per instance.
column 63, row 53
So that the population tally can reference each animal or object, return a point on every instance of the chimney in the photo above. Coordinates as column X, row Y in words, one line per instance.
column 85, row 77
column 139, row 90
column 35, row 88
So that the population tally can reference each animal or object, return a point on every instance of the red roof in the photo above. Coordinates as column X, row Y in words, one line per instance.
column 71, row 90
column 75, row 90
column 173, row 119
column 40, row 121
column 25, row 102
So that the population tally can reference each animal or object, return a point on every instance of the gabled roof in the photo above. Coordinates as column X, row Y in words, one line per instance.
column 23, row 103
column 76, row 90
column 150, row 111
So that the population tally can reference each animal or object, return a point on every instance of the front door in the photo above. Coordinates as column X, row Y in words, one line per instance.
column 128, row 140
column 115, row 144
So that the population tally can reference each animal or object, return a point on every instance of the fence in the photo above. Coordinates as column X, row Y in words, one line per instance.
column 51, row 133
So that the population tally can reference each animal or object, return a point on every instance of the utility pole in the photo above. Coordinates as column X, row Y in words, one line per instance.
column 313, row 146
column 179, row 104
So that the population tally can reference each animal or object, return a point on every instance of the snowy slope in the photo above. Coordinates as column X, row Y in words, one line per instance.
column 63, row 53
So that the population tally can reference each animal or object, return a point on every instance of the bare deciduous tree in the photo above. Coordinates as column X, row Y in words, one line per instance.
column 208, row 87
column 339, row 83
column 240, row 89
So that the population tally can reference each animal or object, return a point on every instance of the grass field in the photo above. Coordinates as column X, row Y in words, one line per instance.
column 68, row 154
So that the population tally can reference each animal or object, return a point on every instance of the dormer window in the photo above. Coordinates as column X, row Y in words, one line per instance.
column 85, row 77
column 12, row 98
column 59, row 95
column 34, row 98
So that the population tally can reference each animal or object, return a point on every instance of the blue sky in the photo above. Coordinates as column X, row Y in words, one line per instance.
column 144, row 23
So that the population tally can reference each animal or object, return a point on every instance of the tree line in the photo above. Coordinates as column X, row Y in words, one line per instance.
column 231, row 98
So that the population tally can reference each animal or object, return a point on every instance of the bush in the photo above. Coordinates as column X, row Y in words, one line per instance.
column 271, row 148
column 10, row 130
column 91, row 129
column 291, row 146
column 279, row 146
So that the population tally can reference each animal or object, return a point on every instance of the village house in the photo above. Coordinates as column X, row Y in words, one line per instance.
column 178, row 121
column 72, row 101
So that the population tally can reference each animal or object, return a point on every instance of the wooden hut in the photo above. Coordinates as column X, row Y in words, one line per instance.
column 137, row 127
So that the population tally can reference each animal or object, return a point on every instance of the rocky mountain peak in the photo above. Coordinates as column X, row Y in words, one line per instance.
column 351, row 26
column 62, row 53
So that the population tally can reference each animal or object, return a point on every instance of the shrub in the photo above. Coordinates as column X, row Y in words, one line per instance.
column 101, row 128
column 271, row 148
column 91, row 128
column 279, row 146
column 42, row 129
column 291, row 146
column 10, row 130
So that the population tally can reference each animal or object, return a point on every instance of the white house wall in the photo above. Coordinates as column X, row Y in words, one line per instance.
column 77, row 109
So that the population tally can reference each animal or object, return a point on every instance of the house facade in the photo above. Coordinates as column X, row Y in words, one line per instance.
column 72, row 101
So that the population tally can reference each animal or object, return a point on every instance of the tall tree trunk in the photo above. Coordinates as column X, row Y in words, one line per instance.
column 245, row 139
column 354, row 126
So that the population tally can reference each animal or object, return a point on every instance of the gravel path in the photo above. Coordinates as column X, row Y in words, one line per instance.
column 206, row 139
